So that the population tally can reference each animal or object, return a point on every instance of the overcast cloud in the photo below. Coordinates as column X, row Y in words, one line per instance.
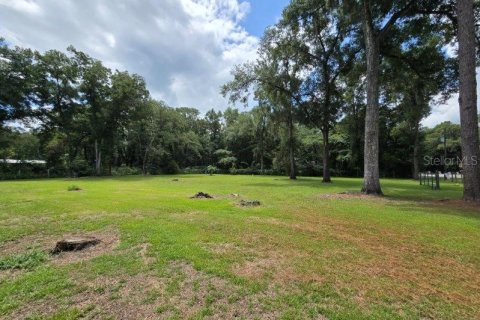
column 184, row 48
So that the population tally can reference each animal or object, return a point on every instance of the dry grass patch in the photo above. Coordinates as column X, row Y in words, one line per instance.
column 180, row 291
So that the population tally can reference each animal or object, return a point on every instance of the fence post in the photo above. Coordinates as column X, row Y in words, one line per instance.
column 420, row 176
column 437, row 181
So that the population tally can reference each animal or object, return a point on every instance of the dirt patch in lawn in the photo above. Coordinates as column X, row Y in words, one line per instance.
column 349, row 195
column 109, row 239
column 179, row 291
column 457, row 204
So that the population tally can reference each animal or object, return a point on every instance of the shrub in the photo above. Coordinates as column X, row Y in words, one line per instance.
column 171, row 167
column 74, row 188
column 27, row 260
column 80, row 167
column 211, row 170
column 194, row 170
column 126, row 171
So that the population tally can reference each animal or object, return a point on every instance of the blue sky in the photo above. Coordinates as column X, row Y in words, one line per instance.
column 263, row 13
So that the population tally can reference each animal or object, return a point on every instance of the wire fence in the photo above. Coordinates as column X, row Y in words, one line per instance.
column 432, row 179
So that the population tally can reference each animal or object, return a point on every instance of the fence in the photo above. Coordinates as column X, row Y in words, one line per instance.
column 456, row 177
column 430, row 179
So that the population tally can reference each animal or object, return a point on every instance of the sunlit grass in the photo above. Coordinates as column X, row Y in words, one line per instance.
column 406, row 255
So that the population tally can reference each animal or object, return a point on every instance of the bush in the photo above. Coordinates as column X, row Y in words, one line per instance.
column 125, row 171
column 27, row 260
column 80, row 168
column 194, row 170
column 171, row 167
column 74, row 188
column 211, row 170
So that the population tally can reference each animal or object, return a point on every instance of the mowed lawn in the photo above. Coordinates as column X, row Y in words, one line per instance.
column 308, row 252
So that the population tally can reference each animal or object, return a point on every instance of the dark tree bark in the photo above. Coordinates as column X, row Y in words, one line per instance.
column 326, row 157
column 416, row 164
column 371, row 182
column 98, row 159
column 291, row 149
column 468, row 100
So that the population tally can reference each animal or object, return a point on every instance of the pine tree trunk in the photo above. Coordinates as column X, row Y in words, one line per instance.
column 468, row 100
column 326, row 157
column 371, row 179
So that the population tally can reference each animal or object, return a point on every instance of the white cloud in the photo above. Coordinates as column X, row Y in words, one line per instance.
column 23, row 6
column 185, row 49
column 448, row 111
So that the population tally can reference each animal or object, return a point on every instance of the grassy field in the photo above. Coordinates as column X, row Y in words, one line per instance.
column 308, row 252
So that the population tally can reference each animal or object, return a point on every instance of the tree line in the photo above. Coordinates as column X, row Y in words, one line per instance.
column 338, row 87
column 325, row 57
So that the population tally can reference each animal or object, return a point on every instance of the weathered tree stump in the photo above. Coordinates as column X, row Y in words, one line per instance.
column 202, row 195
column 75, row 244
column 250, row 203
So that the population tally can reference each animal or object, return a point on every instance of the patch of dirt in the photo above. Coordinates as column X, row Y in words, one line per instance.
column 278, row 266
column 109, row 239
column 180, row 291
column 202, row 195
column 143, row 252
column 349, row 195
column 221, row 248
column 456, row 204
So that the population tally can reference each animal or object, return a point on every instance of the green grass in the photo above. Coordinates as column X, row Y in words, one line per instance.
column 27, row 260
column 74, row 188
column 300, row 254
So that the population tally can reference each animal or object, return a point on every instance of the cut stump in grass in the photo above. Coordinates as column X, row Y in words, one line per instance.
column 250, row 203
column 75, row 244
column 202, row 195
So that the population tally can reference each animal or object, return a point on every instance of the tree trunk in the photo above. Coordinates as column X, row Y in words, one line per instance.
column 468, row 100
column 326, row 157
column 262, row 151
column 144, row 162
column 98, row 159
column 371, row 178
column 416, row 164
column 291, row 149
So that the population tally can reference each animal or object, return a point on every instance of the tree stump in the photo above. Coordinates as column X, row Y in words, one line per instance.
column 202, row 195
column 75, row 244
column 250, row 203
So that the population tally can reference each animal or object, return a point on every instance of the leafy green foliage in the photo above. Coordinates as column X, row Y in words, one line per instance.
column 28, row 260
column 74, row 188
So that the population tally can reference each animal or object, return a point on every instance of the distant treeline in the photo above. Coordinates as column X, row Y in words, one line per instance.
column 322, row 83
column 86, row 120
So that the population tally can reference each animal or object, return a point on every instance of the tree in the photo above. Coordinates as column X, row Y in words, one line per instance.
column 58, row 98
column 417, row 74
column 328, row 50
column 468, row 100
column 18, row 83
column 275, row 77
column 94, row 93
column 375, row 14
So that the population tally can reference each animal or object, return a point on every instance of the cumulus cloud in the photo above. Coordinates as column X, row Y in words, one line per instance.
column 185, row 49
column 448, row 111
